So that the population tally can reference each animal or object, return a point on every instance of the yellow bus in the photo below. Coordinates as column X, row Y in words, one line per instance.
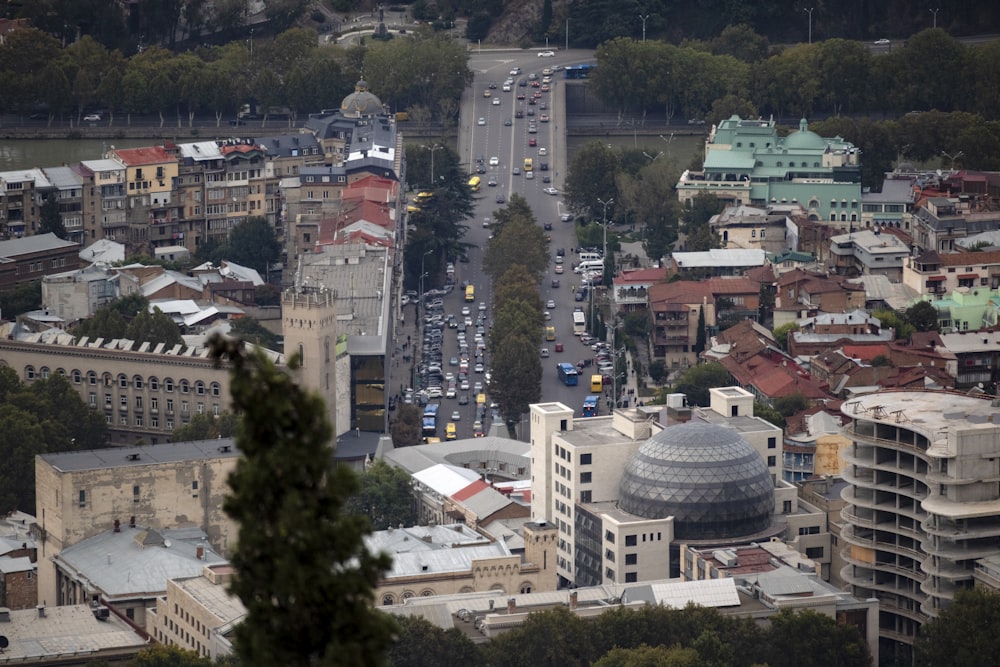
column 474, row 182
column 528, row 164
column 550, row 333
column 596, row 383
column 470, row 293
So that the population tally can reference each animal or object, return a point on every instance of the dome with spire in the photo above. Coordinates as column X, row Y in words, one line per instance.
column 805, row 138
column 361, row 102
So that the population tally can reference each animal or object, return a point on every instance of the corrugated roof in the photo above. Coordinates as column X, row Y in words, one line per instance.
column 34, row 243
column 445, row 479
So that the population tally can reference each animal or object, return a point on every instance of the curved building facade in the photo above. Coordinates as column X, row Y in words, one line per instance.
column 923, row 503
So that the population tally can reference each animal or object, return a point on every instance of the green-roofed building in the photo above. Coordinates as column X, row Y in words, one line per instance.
column 746, row 162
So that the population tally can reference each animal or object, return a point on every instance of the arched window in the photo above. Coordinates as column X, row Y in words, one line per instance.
column 77, row 376
column 154, row 383
column 91, row 377
column 813, row 203
column 168, row 384
column 199, row 388
column 44, row 372
column 122, row 380
column 108, row 380
column 525, row 588
column 388, row 600
column 184, row 387
column 137, row 381
column 216, row 389
column 61, row 371
column 29, row 372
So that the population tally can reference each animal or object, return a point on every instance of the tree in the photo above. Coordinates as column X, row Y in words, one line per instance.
column 252, row 243
column 699, row 343
column 385, row 497
column 781, row 333
column 922, row 316
column 420, row 642
column 206, row 427
column 303, row 571
column 591, row 176
column 154, row 327
column 767, row 413
column 405, row 429
column 21, row 299
column 791, row 404
column 658, row 370
column 963, row 632
column 890, row 319
column 251, row 330
column 697, row 380
column 553, row 638
column 649, row 656
column 810, row 639
column 517, row 375
column 161, row 655
column 51, row 220
column 882, row 361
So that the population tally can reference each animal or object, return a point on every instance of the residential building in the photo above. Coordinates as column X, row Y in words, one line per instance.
column 67, row 189
column 939, row 222
column 715, row 262
column 824, row 493
column 827, row 331
column 105, row 203
column 872, row 252
column 151, row 176
column 22, row 194
column 198, row 613
column 25, row 260
column 803, row 293
column 677, row 309
column 922, row 503
column 966, row 309
column 977, row 355
column 890, row 207
column 746, row 162
column 933, row 273
column 750, row 227
column 812, row 445
column 882, row 293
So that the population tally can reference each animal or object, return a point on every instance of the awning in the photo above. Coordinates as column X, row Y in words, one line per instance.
column 968, row 276
column 935, row 279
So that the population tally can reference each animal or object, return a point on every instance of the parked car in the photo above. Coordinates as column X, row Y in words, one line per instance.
column 92, row 117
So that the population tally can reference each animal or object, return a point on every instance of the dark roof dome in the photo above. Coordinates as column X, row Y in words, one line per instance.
column 711, row 480
column 361, row 102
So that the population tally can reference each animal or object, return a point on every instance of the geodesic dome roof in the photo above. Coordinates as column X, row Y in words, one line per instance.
column 711, row 480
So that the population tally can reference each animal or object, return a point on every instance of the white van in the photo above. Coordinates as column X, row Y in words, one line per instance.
column 590, row 265
column 589, row 256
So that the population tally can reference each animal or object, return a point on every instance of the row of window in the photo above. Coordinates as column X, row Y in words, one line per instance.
column 123, row 381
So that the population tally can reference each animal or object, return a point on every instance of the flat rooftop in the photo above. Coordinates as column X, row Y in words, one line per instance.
column 131, row 457
column 933, row 413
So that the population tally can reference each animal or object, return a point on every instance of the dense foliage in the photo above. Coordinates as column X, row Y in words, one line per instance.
column 44, row 416
column 963, row 633
column 129, row 317
column 384, row 496
column 303, row 571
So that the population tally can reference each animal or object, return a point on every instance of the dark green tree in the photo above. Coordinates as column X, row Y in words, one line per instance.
column 206, row 427
column 962, row 633
column 700, row 340
column 51, row 220
column 253, row 244
column 405, row 428
column 161, row 655
column 650, row 656
column 517, row 375
column 554, row 638
column 251, row 330
column 767, row 413
column 697, row 380
column 880, row 360
column 890, row 319
column 517, row 241
column 153, row 328
column 791, row 404
column 658, row 370
column 303, row 571
column 385, row 497
column 591, row 176
column 810, row 639
column 781, row 333
column 21, row 299
column 419, row 642
column 922, row 316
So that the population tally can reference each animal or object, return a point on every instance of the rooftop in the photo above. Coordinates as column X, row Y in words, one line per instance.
column 67, row 632
column 129, row 457
column 719, row 258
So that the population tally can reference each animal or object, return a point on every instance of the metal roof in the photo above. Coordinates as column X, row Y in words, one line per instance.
column 445, row 479
column 718, row 257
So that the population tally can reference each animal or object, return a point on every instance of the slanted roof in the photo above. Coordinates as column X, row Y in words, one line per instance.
column 135, row 157
column 32, row 244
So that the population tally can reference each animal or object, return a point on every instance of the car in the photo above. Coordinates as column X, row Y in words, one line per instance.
column 482, row 306
column 532, row 129
column 882, row 42
column 506, row 88
column 547, row 226
column 464, row 384
column 456, row 416
column 532, row 141
column 434, row 392
column 529, row 175
column 481, row 121
column 492, row 182
column 546, row 54
column 531, row 112
column 543, row 106
column 566, row 217
column 546, row 178
column 543, row 151
column 580, row 295
column 550, row 191
column 477, row 430
column 535, row 84
column 453, row 361
column 500, row 198
column 533, row 101
column 516, row 171
column 532, row 76
column 493, row 85
column 559, row 347
column 480, row 169
column 463, row 399
column 519, row 114
column 515, row 71
column 486, row 222
column 496, row 101
column 544, row 352
column 480, row 368
column 494, row 161
column 546, row 316
column 550, row 304
column 559, row 268
column 545, row 88
column 559, row 259
column 544, row 118
column 466, row 310
column 555, row 283
column 452, row 391
column 487, row 93
column 520, row 96
column 523, row 83
column 507, row 122
column 477, row 388
column 543, row 166
column 92, row 117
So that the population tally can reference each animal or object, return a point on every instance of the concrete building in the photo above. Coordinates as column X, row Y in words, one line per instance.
column 198, row 613
column 978, row 357
column 939, row 273
column 67, row 187
column 716, row 262
column 74, row 636
column 750, row 227
column 746, row 162
column 922, row 503
column 890, row 206
column 151, row 176
column 630, row 290
column 870, row 252
column 941, row 221
column 25, row 260
column 677, row 309
column 79, row 495
column 22, row 193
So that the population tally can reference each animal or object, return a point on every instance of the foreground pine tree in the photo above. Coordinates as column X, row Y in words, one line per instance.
column 301, row 566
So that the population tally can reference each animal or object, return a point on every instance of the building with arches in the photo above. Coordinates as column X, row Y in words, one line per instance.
column 746, row 162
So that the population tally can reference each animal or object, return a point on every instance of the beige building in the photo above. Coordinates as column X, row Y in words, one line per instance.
column 198, row 613
column 79, row 495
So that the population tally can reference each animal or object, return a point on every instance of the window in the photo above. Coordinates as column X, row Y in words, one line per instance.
column 83, row 498
column 609, row 574
column 168, row 384
column 631, row 577
column 77, row 376
column 609, row 555
column 772, row 461
column 154, row 384
column 585, row 496
column 154, row 403
column 137, row 382
column 138, row 402
column 184, row 387
column 809, row 530
column 814, row 552
column 585, row 459
column 123, row 381
column 630, row 540
column 216, row 390
column 194, row 489
column 772, row 443
column 585, row 477
column 123, row 400
column 786, row 507
column 92, row 399
column 29, row 372
column 170, row 406
column 199, row 388
column 609, row 536
column 91, row 377
column 631, row 559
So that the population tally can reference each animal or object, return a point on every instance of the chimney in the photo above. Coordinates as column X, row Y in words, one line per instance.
column 511, row 606
column 200, row 552
column 41, row 611
column 572, row 600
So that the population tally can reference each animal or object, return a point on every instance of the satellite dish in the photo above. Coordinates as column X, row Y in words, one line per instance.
column 4, row 643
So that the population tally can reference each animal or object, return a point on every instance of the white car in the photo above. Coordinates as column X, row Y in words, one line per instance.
column 882, row 42
column 496, row 101
column 494, row 161
column 546, row 54
column 482, row 121
column 92, row 117
column 550, row 304
column 550, row 191
column 506, row 87
column 515, row 71
column 466, row 310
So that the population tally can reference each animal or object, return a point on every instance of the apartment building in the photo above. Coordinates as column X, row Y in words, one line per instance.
column 934, row 273
column 67, row 188
column 150, row 186
column 105, row 207
column 922, row 504
column 22, row 193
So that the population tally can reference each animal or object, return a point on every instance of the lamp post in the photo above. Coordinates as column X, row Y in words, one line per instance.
column 668, row 141
column 643, row 19
column 432, row 149
column 423, row 274
column 605, row 204
column 953, row 157
column 809, row 11
column 934, row 12
column 652, row 158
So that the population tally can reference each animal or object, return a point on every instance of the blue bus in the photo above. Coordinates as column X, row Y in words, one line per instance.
column 431, row 411
column 590, row 406
column 568, row 374
column 429, row 429
column 579, row 71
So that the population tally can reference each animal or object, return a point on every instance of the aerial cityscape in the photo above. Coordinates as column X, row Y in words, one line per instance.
column 339, row 332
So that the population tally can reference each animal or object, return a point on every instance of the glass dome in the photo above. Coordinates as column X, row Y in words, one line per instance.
column 711, row 480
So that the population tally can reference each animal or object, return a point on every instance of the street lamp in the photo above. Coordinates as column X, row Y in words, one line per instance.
column 953, row 157
column 668, row 141
column 643, row 19
column 810, row 13
column 605, row 204
column 423, row 274
column 934, row 12
column 432, row 149
column 652, row 158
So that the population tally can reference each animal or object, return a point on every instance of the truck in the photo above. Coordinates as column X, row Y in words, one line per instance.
column 259, row 111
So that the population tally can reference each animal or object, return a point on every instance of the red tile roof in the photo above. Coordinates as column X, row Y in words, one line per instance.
column 641, row 276
column 724, row 286
column 469, row 491
column 865, row 352
column 970, row 258
column 761, row 274
column 680, row 291
column 133, row 157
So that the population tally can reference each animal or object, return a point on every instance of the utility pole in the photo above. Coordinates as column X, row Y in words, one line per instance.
column 809, row 11
column 432, row 148
column 934, row 12
column 605, row 204
column 643, row 19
